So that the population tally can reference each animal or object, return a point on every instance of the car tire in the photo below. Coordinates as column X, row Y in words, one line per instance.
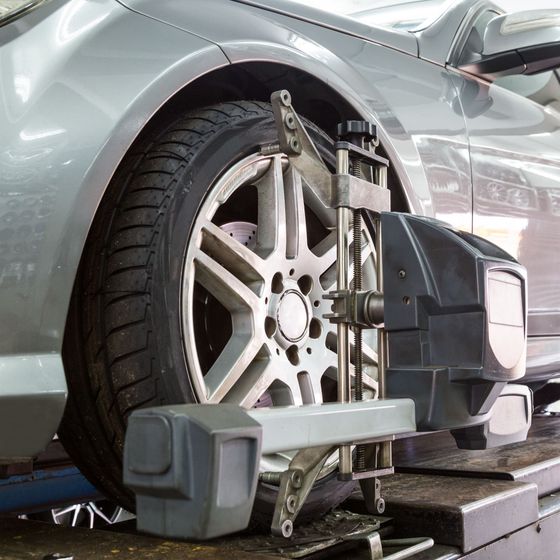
column 127, row 340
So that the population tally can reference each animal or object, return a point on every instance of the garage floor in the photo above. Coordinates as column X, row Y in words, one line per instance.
column 477, row 505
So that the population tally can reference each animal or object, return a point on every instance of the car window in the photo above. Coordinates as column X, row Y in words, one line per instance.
column 405, row 15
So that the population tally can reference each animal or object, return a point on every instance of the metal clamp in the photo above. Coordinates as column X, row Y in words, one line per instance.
column 371, row 490
column 355, row 193
column 359, row 309
column 295, row 485
column 339, row 190
column 370, row 546
column 294, row 141
column 352, row 189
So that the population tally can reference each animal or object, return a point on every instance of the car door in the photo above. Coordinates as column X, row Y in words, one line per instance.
column 513, row 126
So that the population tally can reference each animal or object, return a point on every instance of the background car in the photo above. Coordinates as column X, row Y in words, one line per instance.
column 153, row 251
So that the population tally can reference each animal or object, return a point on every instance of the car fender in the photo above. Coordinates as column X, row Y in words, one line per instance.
column 78, row 82
column 376, row 70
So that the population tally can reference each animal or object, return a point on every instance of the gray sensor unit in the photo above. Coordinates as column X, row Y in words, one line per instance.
column 176, row 459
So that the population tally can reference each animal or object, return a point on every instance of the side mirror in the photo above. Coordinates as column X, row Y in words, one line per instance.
column 520, row 43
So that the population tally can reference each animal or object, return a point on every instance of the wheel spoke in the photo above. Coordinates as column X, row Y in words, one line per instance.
column 56, row 513
column 296, row 226
column 255, row 382
column 316, row 391
column 233, row 255
column 326, row 251
column 271, row 233
column 75, row 516
column 229, row 290
column 296, row 394
column 370, row 383
column 231, row 364
column 369, row 354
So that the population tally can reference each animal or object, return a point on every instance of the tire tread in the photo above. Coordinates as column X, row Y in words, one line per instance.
column 109, row 350
column 111, row 371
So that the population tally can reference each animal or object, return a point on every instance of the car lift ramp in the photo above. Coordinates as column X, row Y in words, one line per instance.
column 492, row 504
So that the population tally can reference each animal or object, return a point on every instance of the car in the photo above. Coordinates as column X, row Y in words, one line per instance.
column 153, row 251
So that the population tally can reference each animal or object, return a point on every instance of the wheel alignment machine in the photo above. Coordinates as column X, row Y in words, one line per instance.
column 450, row 313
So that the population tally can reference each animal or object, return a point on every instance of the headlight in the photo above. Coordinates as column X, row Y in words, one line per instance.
column 12, row 9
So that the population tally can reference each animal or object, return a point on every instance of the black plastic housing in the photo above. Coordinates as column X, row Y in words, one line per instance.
column 456, row 316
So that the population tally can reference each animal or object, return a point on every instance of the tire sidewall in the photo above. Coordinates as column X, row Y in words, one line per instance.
column 194, row 181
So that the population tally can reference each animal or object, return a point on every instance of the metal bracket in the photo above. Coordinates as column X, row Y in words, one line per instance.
column 335, row 191
column 371, row 490
column 295, row 142
column 365, row 156
column 295, row 485
column 352, row 192
column 369, row 546
column 358, row 309
column 343, row 191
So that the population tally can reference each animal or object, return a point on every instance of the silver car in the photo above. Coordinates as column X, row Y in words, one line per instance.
column 151, row 252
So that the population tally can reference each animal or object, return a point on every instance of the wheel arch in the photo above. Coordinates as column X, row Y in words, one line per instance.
column 256, row 80
column 313, row 98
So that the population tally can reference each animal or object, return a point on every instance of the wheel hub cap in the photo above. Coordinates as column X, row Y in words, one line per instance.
column 292, row 316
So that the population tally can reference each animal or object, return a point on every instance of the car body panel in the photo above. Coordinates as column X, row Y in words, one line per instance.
column 516, row 182
column 232, row 16
column 32, row 398
column 411, row 100
column 68, row 114
column 437, row 41
column 516, row 192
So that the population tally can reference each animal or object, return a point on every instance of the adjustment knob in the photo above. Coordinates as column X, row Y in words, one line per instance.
column 357, row 132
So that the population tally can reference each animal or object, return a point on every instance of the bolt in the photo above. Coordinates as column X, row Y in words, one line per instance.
column 287, row 529
column 290, row 121
column 357, row 132
column 294, row 145
column 270, row 477
column 380, row 505
column 270, row 149
column 291, row 502
column 297, row 479
column 285, row 97
column 402, row 273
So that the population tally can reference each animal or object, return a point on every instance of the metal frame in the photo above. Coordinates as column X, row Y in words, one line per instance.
column 298, row 427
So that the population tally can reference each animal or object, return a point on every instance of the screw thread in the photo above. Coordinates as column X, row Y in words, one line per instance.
column 358, row 351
